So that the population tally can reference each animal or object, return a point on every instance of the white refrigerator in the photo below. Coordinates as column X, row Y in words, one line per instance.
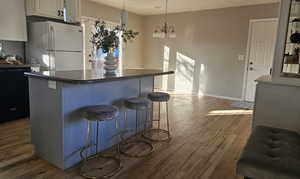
column 55, row 46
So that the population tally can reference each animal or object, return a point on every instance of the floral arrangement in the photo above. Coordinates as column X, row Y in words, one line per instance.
column 108, row 39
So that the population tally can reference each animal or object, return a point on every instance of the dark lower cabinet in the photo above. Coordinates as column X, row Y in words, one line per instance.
column 14, row 94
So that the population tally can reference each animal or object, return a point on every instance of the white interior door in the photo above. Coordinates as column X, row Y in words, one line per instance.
column 262, row 39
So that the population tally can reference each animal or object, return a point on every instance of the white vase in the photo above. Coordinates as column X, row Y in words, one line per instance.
column 111, row 63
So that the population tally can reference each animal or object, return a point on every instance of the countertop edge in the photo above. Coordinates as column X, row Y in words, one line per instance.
column 7, row 66
column 264, row 79
column 74, row 81
column 267, row 79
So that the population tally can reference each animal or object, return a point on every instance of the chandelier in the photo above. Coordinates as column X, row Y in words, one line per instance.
column 166, row 30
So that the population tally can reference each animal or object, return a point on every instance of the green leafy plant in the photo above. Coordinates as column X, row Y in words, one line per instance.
column 107, row 39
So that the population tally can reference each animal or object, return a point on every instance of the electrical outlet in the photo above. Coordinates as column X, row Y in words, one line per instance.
column 52, row 84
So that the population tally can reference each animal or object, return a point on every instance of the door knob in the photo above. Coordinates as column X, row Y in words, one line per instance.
column 251, row 63
column 251, row 68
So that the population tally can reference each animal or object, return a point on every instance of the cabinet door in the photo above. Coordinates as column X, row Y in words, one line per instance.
column 8, row 101
column 14, row 94
column 50, row 8
column 12, row 20
column 45, row 8
column 22, row 94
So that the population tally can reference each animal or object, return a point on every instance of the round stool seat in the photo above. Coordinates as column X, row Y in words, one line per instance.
column 137, row 103
column 101, row 112
column 159, row 96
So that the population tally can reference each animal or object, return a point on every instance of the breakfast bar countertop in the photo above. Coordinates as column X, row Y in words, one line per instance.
column 93, row 76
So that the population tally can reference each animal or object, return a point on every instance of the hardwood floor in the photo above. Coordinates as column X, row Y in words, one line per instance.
column 207, row 138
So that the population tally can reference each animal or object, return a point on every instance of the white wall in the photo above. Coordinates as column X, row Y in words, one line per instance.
column 212, row 41
column 133, row 56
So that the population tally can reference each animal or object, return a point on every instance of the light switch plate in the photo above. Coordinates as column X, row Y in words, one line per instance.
column 52, row 84
column 241, row 57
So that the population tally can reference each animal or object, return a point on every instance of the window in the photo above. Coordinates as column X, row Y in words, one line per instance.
column 100, row 54
column 90, row 53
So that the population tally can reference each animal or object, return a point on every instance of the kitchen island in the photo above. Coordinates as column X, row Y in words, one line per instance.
column 58, row 128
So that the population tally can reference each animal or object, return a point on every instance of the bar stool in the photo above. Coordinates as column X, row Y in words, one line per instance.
column 137, row 104
column 150, row 134
column 91, row 167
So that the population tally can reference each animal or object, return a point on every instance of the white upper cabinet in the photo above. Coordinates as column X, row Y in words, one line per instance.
column 45, row 8
column 13, row 20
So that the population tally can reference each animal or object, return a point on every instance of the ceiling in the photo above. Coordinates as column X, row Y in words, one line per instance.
column 150, row 7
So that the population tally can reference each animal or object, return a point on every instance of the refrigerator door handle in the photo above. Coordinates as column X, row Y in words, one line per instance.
column 52, row 60
column 53, row 38
column 49, row 39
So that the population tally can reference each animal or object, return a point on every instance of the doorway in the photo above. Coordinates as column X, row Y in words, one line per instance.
column 260, row 53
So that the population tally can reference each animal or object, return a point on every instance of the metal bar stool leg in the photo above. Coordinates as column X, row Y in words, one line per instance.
column 136, row 122
column 149, row 134
column 159, row 116
column 146, row 121
column 88, row 136
column 135, row 141
column 89, row 143
column 86, row 168
column 168, row 123
column 125, row 119
column 97, row 137
column 117, row 124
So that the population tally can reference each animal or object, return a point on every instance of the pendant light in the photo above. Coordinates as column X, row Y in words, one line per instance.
column 166, row 30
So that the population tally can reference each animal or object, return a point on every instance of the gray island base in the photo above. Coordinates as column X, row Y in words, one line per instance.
column 58, row 128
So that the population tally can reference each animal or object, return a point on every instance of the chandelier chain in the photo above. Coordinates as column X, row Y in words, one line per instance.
column 124, row 5
column 166, row 11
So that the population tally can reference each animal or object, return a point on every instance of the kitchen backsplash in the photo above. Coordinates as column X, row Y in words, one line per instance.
column 13, row 48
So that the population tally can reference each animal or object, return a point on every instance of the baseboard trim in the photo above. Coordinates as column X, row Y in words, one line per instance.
column 223, row 97
column 164, row 90
column 210, row 95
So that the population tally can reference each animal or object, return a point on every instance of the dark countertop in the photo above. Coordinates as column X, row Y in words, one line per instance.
column 93, row 76
column 7, row 66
